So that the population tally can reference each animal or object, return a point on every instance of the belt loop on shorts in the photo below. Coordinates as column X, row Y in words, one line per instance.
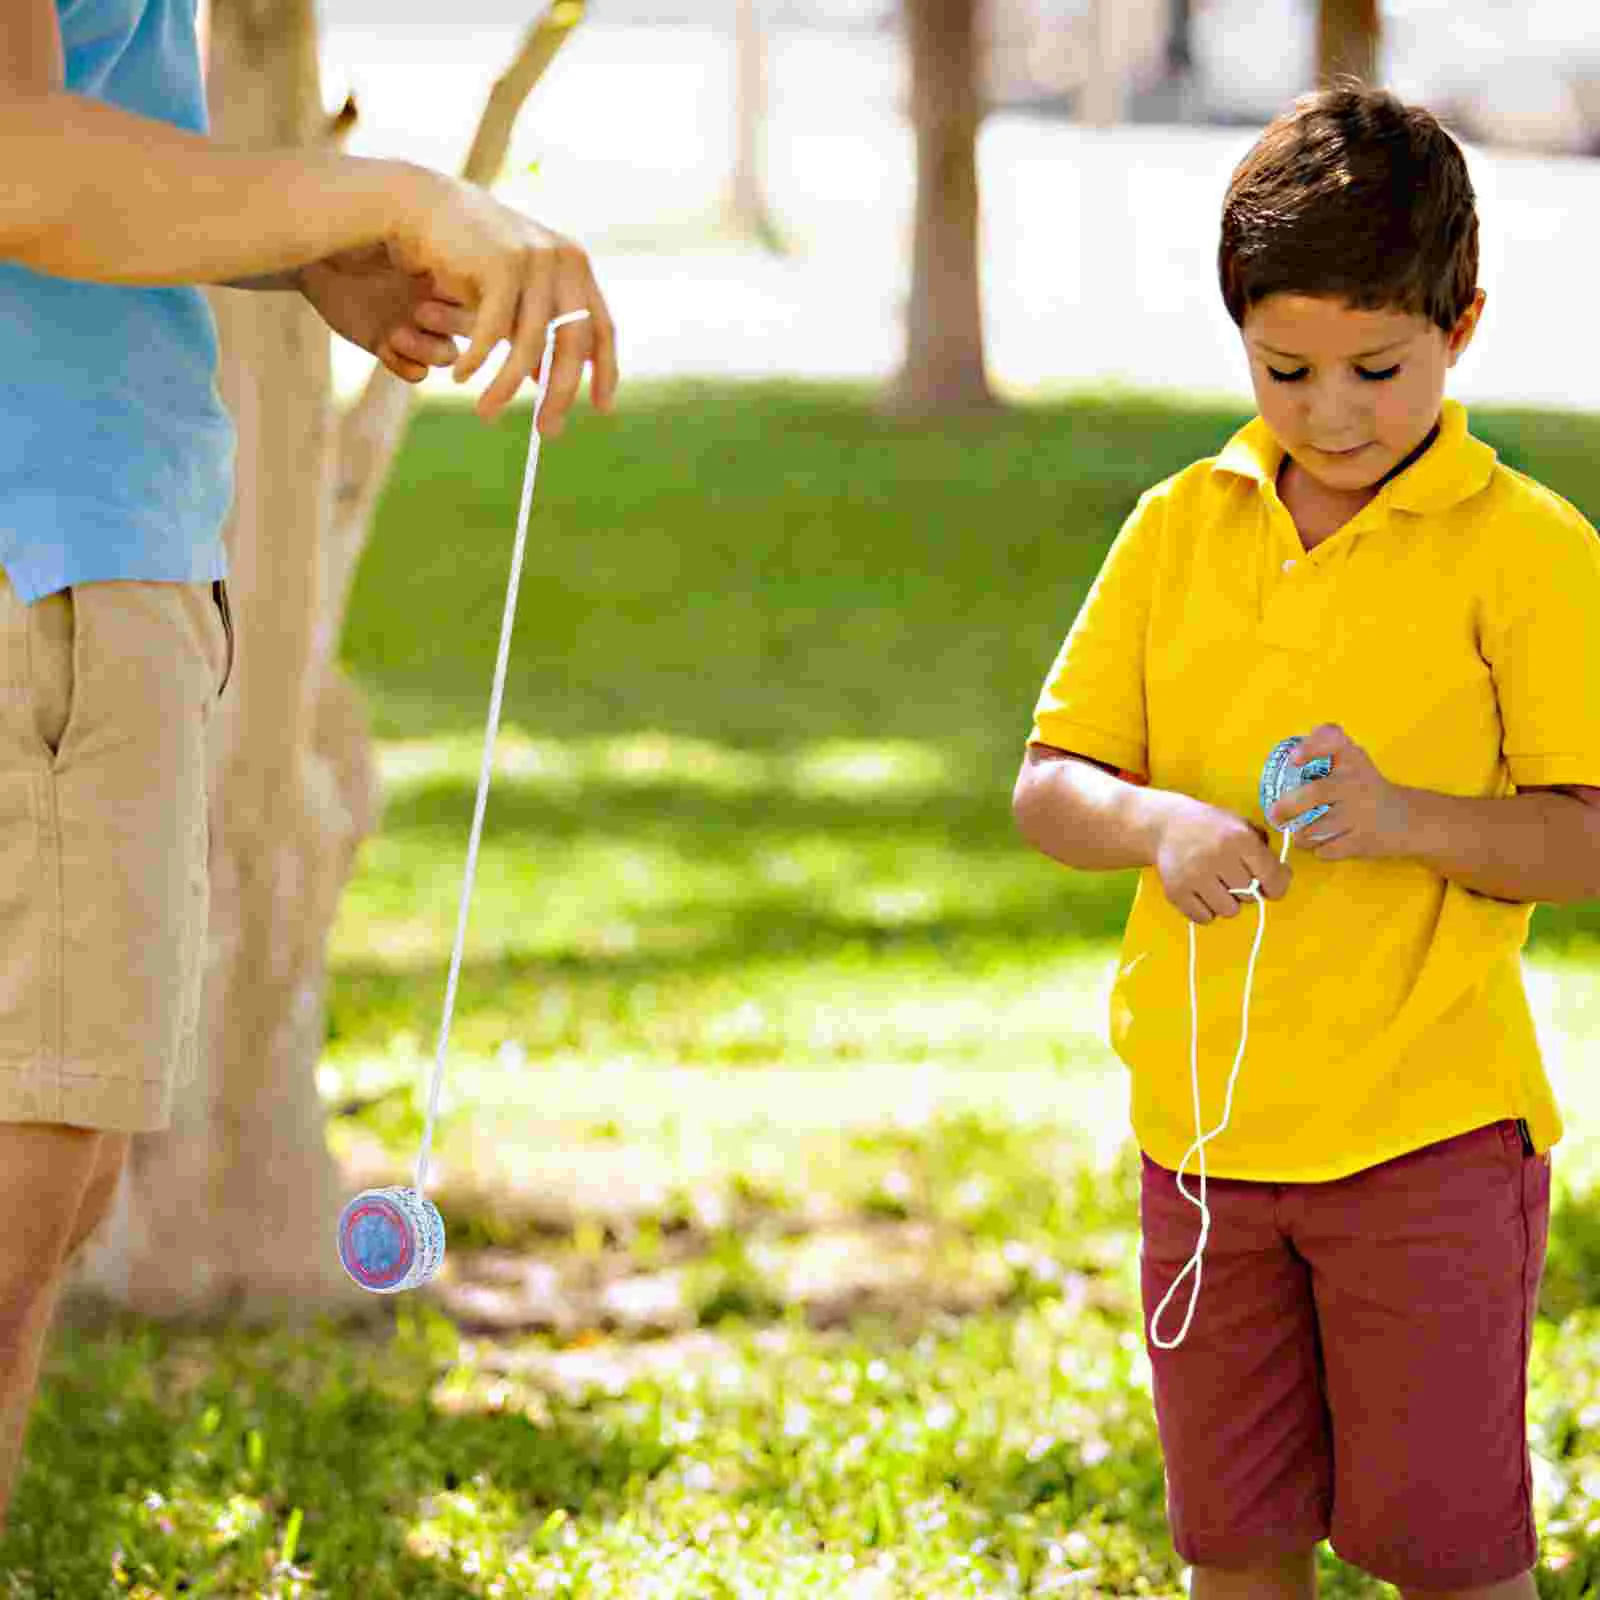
column 1527, row 1138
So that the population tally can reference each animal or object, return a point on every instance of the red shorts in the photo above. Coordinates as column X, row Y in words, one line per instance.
column 1356, row 1368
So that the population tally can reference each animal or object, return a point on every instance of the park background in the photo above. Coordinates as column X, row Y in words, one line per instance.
column 786, row 1166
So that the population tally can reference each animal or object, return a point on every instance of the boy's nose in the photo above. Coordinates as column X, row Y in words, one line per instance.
column 1332, row 421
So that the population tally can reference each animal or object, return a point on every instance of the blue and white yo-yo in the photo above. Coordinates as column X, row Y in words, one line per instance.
column 1280, row 776
column 391, row 1239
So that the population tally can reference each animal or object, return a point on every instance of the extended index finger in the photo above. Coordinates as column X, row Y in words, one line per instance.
column 566, row 367
column 602, row 347
column 491, row 324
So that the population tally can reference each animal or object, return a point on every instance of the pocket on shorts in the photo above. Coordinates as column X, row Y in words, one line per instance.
column 219, row 597
column 1515, row 1140
column 51, row 631
column 130, row 798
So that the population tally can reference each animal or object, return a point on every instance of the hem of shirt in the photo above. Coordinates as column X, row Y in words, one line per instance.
column 33, row 579
column 1528, row 772
column 1086, row 741
column 1545, row 1132
column 1333, row 1171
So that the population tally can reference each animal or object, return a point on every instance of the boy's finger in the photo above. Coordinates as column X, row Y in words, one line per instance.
column 572, row 349
column 603, row 349
column 400, row 365
column 438, row 317
column 522, row 363
column 494, row 320
column 417, row 345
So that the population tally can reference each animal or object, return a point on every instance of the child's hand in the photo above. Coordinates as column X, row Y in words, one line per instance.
column 1370, row 819
column 396, row 316
column 517, row 277
column 1205, row 851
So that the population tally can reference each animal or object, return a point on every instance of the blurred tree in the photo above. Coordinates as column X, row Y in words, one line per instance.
column 1347, row 39
column 943, row 370
column 1103, row 100
column 1180, row 38
column 234, row 1208
column 748, row 211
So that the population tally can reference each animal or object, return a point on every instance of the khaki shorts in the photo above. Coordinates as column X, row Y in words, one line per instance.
column 106, row 696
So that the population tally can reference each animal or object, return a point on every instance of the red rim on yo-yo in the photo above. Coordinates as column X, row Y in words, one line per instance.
column 391, row 1239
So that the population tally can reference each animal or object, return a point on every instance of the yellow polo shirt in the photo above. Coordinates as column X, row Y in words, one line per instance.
column 1449, row 628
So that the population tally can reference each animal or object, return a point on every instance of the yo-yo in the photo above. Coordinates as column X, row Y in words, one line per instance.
column 391, row 1239
column 1280, row 776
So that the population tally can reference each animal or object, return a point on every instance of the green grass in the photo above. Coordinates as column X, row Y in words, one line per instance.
column 762, row 567
column 792, row 1210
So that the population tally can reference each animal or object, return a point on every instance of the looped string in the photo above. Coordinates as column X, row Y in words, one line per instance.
column 1252, row 892
column 495, row 697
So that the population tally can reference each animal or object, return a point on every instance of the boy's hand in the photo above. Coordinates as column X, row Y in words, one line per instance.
column 396, row 316
column 1204, row 852
column 517, row 277
column 1370, row 819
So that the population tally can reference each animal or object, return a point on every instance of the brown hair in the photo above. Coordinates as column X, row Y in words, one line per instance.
column 1352, row 194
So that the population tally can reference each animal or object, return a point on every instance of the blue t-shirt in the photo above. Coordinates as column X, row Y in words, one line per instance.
column 116, row 451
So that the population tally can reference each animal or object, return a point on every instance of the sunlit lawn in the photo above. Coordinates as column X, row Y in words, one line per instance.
column 792, row 1211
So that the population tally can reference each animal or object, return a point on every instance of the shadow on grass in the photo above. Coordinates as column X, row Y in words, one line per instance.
column 757, row 563
column 631, row 884
column 741, row 822
column 148, row 1443
column 895, row 834
column 770, row 928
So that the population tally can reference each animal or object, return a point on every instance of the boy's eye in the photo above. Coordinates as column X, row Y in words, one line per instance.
column 1379, row 377
column 1288, row 377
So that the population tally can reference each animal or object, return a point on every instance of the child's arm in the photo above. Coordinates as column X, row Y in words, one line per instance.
column 1541, row 844
column 1078, row 812
column 95, row 192
column 267, row 280
column 33, row 62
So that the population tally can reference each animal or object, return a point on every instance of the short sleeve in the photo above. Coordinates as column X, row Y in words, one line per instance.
column 1541, row 638
column 1093, row 700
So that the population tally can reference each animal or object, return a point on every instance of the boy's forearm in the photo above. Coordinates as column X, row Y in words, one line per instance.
column 1087, row 818
column 1522, row 848
column 268, row 281
column 95, row 192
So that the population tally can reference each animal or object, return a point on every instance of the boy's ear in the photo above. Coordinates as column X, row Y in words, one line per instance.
column 1466, row 326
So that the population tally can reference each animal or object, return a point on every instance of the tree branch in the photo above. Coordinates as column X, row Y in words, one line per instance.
column 512, row 88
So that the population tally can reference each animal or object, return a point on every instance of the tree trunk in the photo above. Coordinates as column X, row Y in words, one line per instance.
column 1347, row 40
column 944, row 367
column 1105, row 91
column 1179, row 54
column 232, row 1211
column 748, row 211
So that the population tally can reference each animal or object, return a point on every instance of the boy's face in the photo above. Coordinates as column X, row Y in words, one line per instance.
column 1349, row 393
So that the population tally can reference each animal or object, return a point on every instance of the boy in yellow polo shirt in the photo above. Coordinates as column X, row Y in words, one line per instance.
column 1355, row 567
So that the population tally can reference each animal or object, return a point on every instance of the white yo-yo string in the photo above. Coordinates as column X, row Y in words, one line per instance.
column 1277, row 778
column 529, row 476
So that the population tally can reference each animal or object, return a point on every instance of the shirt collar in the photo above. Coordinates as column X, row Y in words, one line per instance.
column 1454, row 468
